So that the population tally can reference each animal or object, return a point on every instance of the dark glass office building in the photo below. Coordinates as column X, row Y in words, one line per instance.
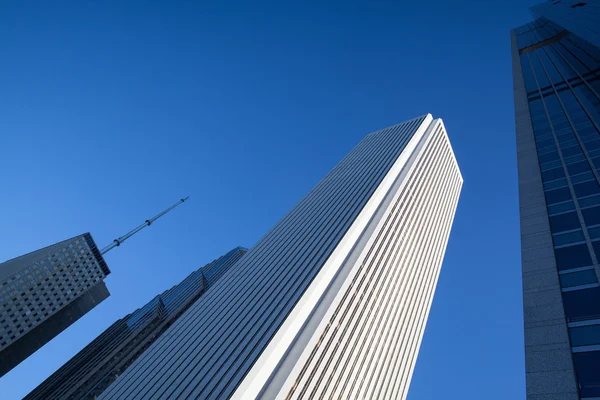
column 44, row 292
column 557, row 106
column 95, row 367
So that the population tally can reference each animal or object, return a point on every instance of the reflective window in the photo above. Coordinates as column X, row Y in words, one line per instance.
column 562, row 207
column 586, row 188
column 578, row 278
column 561, row 48
column 544, row 158
column 582, row 177
column 558, row 195
column 591, row 216
column 578, row 167
column 538, row 70
column 548, row 149
column 545, row 143
column 594, row 234
column 582, row 304
column 594, row 153
column 552, row 174
column 574, row 159
column 564, row 222
column 555, row 184
column 592, row 145
column 572, row 257
column 571, row 151
column 585, row 335
column 588, row 373
column 564, row 67
column 530, row 84
column 590, row 201
column 568, row 143
column 596, row 247
column 551, row 165
column 566, row 238
column 551, row 71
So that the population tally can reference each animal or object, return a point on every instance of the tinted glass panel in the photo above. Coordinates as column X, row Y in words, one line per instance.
column 571, row 151
column 586, row 188
column 596, row 246
column 578, row 278
column 585, row 335
column 552, row 174
column 558, row 195
column 590, row 201
column 591, row 216
column 594, row 233
column 595, row 144
column 545, row 143
column 562, row 207
column 588, row 373
column 550, row 165
column 570, row 237
column 555, row 184
column 572, row 257
column 564, row 222
column 548, row 157
column 582, row 304
column 594, row 153
column 545, row 150
column 578, row 168
column 574, row 159
column 582, row 177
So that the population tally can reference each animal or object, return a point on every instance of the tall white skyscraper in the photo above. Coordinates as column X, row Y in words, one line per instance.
column 332, row 302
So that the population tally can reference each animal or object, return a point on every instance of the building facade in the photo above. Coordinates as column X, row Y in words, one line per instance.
column 580, row 17
column 44, row 292
column 95, row 367
column 333, row 300
column 557, row 107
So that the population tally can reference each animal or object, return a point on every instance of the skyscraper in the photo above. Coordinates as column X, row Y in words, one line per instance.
column 576, row 16
column 557, row 109
column 95, row 367
column 333, row 300
column 42, row 293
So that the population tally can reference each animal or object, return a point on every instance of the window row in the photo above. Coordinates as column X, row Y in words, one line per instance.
column 588, row 373
column 569, row 220
column 582, row 304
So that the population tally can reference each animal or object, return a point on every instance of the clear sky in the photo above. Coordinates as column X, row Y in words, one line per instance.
column 112, row 111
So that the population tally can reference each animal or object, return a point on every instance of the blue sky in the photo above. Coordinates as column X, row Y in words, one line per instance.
column 111, row 111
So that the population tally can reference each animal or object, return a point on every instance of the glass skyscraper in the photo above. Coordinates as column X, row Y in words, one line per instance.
column 557, row 106
column 333, row 300
column 95, row 367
